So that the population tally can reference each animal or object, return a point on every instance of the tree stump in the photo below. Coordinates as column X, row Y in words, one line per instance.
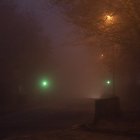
column 107, row 108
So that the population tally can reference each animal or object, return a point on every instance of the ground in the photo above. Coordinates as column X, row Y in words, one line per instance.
column 69, row 134
column 55, row 122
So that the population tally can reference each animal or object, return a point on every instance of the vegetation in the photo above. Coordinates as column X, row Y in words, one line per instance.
column 23, row 53
column 116, row 24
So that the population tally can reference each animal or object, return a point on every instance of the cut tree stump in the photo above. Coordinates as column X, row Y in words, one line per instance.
column 107, row 108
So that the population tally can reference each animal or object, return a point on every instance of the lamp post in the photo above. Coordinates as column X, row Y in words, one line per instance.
column 109, row 19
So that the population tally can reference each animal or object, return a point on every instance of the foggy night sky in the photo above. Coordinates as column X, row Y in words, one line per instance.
column 37, row 40
column 69, row 56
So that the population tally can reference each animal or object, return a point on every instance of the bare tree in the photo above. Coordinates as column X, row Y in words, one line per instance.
column 113, row 23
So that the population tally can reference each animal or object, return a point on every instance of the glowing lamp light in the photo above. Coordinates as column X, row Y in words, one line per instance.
column 108, row 82
column 109, row 19
column 44, row 84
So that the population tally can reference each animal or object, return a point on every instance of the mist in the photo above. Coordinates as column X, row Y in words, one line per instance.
column 69, row 67
column 77, row 70
column 56, row 48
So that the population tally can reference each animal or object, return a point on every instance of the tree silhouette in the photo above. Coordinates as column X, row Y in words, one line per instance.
column 123, row 30
column 23, row 51
column 121, row 33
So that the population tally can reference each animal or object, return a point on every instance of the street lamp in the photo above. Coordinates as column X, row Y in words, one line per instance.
column 109, row 19
column 108, row 82
column 101, row 56
column 44, row 84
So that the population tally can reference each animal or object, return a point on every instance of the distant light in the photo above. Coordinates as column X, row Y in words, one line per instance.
column 101, row 56
column 44, row 83
column 109, row 18
column 108, row 82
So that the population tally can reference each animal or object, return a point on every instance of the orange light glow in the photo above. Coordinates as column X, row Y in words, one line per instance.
column 109, row 19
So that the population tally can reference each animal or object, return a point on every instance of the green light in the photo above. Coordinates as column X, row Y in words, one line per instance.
column 44, row 83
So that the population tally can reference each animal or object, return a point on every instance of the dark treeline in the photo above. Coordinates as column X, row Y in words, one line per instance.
column 23, row 55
